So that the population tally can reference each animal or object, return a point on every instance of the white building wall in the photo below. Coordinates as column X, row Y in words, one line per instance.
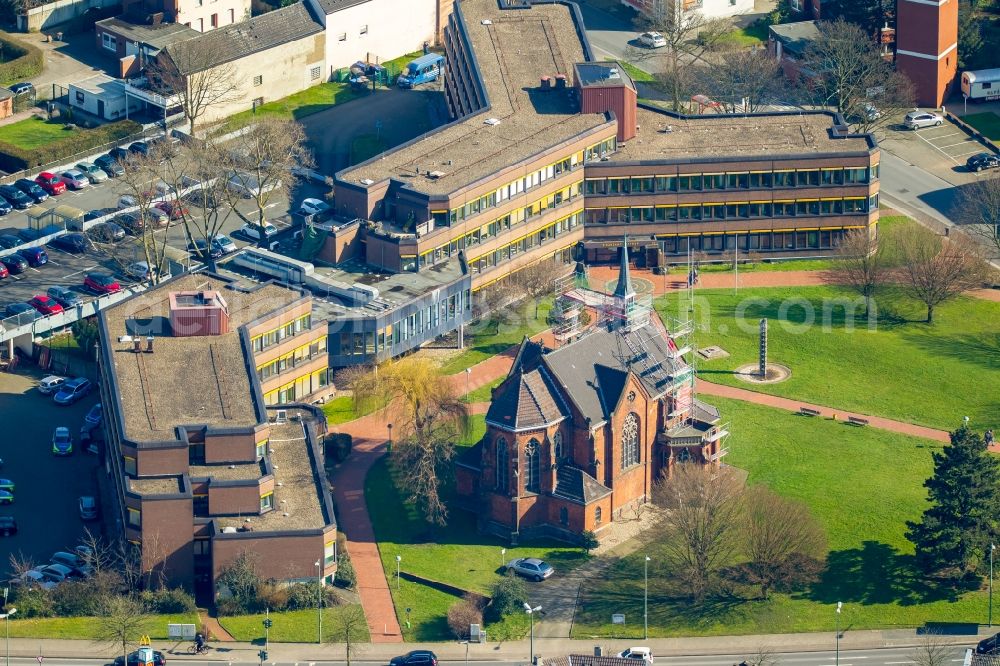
column 377, row 30
column 114, row 102
column 722, row 8
column 198, row 14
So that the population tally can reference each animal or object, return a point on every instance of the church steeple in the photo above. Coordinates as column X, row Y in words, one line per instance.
column 623, row 289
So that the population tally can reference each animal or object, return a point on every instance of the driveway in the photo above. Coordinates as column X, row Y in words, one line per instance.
column 68, row 61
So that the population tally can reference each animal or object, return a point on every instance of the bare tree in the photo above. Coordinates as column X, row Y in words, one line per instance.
column 933, row 650
column 142, row 182
column 743, row 80
column 123, row 621
column 764, row 656
column 934, row 270
column 864, row 264
column 188, row 70
column 977, row 209
column 20, row 564
column 700, row 525
column 463, row 613
column 491, row 302
column 535, row 281
column 779, row 537
column 428, row 415
column 262, row 160
column 99, row 556
column 350, row 628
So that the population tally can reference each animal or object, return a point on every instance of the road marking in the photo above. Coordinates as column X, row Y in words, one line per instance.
column 952, row 145
column 935, row 147
column 944, row 136
column 889, row 663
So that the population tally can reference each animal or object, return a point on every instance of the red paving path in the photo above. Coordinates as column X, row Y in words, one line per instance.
column 371, row 435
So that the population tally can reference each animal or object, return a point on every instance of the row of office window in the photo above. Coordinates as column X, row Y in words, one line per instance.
column 732, row 210
column 298, row 388
column 773, row 241
column 292, row 359
column 740, row 180
column 414, row 325
column 500, row 225
column 525, row 243
column 274, row 336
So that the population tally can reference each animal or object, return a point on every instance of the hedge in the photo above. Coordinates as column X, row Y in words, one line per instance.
column 14, row 158
column 28, row 62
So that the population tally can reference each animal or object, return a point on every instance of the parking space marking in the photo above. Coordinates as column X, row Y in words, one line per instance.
column 935, row 147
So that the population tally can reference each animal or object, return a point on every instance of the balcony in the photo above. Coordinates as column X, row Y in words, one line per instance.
column 139, row 87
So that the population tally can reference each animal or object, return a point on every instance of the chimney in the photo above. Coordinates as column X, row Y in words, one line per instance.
column 560, row 81
column 137, row 344
column 149, row 344
column 546, row 83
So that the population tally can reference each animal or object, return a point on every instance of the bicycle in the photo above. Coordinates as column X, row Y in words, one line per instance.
column 194, row 648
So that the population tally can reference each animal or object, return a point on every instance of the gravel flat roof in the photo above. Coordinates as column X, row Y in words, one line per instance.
column 162, row 485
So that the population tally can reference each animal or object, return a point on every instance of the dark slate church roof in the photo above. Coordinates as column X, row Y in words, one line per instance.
column 575, row 485
column 526, row 400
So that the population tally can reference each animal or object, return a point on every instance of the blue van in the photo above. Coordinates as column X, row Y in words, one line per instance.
column 423, row 69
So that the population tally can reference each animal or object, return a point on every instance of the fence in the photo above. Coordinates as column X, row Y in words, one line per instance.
column 36, row 324
column 972, row 132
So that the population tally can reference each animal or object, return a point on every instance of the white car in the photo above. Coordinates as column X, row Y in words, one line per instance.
column 313, row 207
column 643, row 654
column 49, row 385
column 94, row 173
column 141, row 271
column 916, row 119
column 126, row 201
column 253, row 230
column 653, row 40
column 224, row 243
column 36, row 577
column 74, row 179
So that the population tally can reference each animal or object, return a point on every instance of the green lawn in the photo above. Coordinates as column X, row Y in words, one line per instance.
column 752, row 35
column 339, row 410
column 86, row 627
column 637, row 74
column 455, row 554
column 987, row 122
column 33, row 132
column 904, row 369
column 291, row 626
column 862, row 484
column 307, row 102
column 483, row 393
column 763, row 266
column 483, row 339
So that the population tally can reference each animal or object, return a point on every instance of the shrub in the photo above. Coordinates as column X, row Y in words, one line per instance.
column 169, row 601
column 25, row 60
column 345, row 576
column 507, row 595
column 338, row 446
column 462, row 614
column 302, row 596
column 33, row 602
column 269, row 595
column 588, row 540
column 15, row 158
column 73, row 598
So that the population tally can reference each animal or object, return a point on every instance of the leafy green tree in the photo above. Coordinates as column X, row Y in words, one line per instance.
column 971, row 54
column 954, row 534
column 869, row 15
column 506, row 597
column 86, row 333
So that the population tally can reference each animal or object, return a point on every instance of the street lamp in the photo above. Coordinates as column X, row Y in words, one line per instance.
column 531, row 619
column 6, row 621
column 993, row 547
column 645, row 598
column 503, row 559
column 267, row 626
column 839, row 606
column 319, row 603
column 399, row 558
column 468, row 374
column 389, row 426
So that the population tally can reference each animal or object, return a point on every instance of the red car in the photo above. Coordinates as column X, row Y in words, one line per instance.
column 3, row 271
column 101, row 283
column 50, row 182
column 173, row 209
column 45, row 305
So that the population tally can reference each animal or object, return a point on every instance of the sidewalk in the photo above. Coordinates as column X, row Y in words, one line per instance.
column 513, row 650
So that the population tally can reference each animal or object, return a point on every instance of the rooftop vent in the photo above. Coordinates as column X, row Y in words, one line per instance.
column 613, row 73
column 487, row 22
column 492, row 122
column 434, row 175
column 367, row 181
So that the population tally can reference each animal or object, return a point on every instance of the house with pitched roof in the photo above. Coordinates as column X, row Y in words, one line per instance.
column 578, row 434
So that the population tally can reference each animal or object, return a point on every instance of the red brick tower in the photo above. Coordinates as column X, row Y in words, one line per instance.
column 926, row 46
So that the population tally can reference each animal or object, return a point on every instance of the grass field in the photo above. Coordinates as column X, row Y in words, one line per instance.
column 862, row 484
column 752, row 35
column 307, row 102
column 638, row 75
column 339, row 410
column 34, row 132
column 483, row 341
column 904, row 369
column 291, row 627
column 483, row 393
column 987, row 122
column 455, row 554
column 86, row 627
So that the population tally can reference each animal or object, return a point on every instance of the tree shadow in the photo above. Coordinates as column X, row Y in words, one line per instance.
column 982, row 349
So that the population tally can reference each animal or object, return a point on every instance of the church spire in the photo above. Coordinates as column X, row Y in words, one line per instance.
column 623, row 289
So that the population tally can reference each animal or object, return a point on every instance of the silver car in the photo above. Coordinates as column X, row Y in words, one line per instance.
column 531, row 568
column 93, row 172
column 917, row 119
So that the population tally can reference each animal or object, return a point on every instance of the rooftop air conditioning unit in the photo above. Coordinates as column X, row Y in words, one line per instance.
column 281, row 416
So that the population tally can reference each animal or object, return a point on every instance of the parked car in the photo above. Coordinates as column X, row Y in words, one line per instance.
column 14, row 263
column 531, row 568
column 141, row 271
column 35, row 578
column 224, row 243
column 173, row 209
column 45, row 305
column 127, row 201
column 253, row 231
column 65, row 296
column 246, row 185
column 50, row 182
column 88, row 508
column 313, row 207
column 22, row 88
column 72, row 391
column 981, row 161
column 8, row 526
column 32, row 189
column 415, row 658
column 71, row 560
column 130, row 222
column 59, row 572
column 139, row 148
column 6, row 497
column 643, row 654
column 119, row 154
column 75, row 242
column 917, row 119
column 106, row 232
column 16, row 197
column 109, row 165
column 203, row 249
column 95, row 415
column 94, row 173
column 62, row 441
column 74, row 179
column 652, row 40
column 157, row 217
column 6, row 484
column 5, row 206
column 24, row 312
column 35, row 256
column 51, row 384
column 101, row 283
column 9, row 241
column 134, row 659
column 989, row 645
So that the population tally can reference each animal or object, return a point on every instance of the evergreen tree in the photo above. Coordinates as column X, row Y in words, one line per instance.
column 869, row 15
column 954, row 534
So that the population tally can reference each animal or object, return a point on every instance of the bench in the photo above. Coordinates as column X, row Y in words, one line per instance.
column 857, row 420
column 809, row 411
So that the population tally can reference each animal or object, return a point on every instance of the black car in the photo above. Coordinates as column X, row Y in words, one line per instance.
column 139, row 148
column 32, row 189
column 24, row 312
column 5, row 206
column 133, row 659
column 64, row 296
column 981, row 161
column 109, row 165
column 22, row 88
column 74, row 242
column 202, row 248
column 106, row 232
column 118, row 154
column 15, row 263
column 989, row 645
column 8, row 241
column 415, row 658
column 8, row 525
column 35, row 256
column 15, row 197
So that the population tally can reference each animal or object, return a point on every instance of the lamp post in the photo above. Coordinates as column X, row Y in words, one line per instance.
column 993, row 547
column 267, row 626
column 503, row 559
column 645, row 598
column 531, row 621
column 399, row 558
column 839, row 606
column 6, row 621
column 468, row 374
column 319, row 602
column 389, row 426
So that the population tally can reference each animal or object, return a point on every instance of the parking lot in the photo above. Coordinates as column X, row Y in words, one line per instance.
column 47, row 487
column 950, row 141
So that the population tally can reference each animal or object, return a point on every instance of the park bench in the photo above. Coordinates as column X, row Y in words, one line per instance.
column 857, row 420
column 809, row 411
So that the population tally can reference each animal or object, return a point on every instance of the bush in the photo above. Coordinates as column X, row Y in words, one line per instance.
column 14, row 158
column 24, row 60
column 169, row 601
column 302, row 596
column 345, row 576
column 588, row 540
column 73, row 598
column 462, row 614
column 32, row 602
column 507, row 596
column 338, row 446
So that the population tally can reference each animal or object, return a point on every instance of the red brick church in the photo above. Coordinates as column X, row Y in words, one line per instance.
column 577, row 434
